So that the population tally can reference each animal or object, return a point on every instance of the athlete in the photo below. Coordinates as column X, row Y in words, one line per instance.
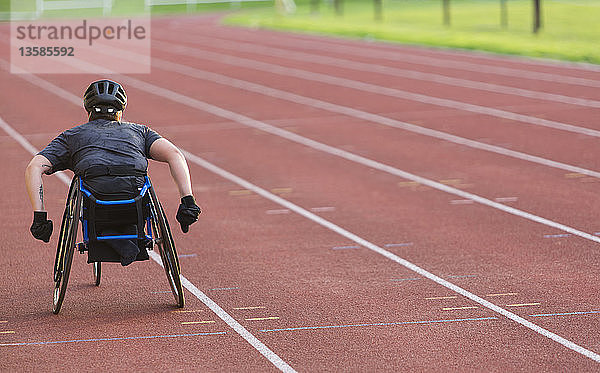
column 111, row 156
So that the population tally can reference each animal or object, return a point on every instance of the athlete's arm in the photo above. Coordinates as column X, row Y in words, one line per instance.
column 41, row 228
column 163, row 150
column 33, row 180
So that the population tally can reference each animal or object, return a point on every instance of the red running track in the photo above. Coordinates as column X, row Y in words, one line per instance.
column 317, row 299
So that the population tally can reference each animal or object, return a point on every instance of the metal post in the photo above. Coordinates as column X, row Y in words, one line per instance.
column 39, row 8
column 107, row 8
column 446, row 6
column 378, row 10
column 537, row 18
column 503, row 14
column 314, row 6
column 338, row 6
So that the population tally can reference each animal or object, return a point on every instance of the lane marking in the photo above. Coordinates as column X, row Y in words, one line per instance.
column 335, row 108
column 398, row 244
column 523, row 304
column 236, row 326
column 7, row 332
column 459, row 308
column 378, row 324
column 187, row 311
column 461, row 202
column 388, row 70
column 239, row 192
column 270, row 355
column 161, row 292
column 111, row 339
column 242, row 119
column 506, row 199
column 448, row 297
column 197, row 322
column 277, row 212
column 236, row 83
column 281, row 190
column 249, row 308
column 221, row 79
column 345, row 247
column 564, row 313
column 186, row 255
column 351, row 236
column 436, row 61
column 232, row 288
column 322, row 209
column 501, row 294
column 574, row 175
column 353, row 84
column 443, row 62
column 3, row 321
column 556, row 235
column 263, row 318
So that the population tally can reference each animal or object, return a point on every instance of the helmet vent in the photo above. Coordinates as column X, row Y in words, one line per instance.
column 106, row 93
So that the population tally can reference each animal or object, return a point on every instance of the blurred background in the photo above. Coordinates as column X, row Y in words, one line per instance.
column 557, row 29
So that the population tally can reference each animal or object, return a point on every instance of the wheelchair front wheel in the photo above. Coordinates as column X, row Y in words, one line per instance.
column 166, row 247
column 97, row 271
column 66, row 245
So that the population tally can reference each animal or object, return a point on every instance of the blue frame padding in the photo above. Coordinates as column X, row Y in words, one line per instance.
column 84, row 222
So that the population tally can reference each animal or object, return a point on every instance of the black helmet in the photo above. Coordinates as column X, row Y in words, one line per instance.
column 103, row 93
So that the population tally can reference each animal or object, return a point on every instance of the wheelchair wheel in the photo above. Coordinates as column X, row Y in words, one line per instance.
column 166, row 246
column 97, row 270
column 66, row 244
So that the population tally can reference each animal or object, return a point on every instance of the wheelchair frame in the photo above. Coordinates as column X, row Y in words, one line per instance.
column 156, row 226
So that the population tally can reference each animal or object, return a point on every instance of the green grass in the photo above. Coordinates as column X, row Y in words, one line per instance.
column 129, row 8
column 571, row 28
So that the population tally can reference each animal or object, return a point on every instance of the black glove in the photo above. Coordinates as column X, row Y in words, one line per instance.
column 187, row 213
column 41, row 227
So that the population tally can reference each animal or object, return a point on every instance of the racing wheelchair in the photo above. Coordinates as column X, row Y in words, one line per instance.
column 144, row 214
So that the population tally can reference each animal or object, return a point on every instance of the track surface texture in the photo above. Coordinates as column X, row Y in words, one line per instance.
column 366, row 207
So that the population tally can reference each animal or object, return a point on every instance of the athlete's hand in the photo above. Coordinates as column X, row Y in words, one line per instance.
column 187, row 213
column 41, row 227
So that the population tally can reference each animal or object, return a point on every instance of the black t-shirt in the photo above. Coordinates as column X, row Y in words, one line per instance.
column 103, row 142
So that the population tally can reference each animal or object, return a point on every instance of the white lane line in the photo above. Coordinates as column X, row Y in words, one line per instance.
column 222, row 43
column 324, row 106
column 242, row 119
column 440, row 52
column 27, row 146
column 362, row 86
column 258, row 345
column 404, row 56
column 351, row 236
column 276, row 360
column 223, row 315
column 363, row 242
